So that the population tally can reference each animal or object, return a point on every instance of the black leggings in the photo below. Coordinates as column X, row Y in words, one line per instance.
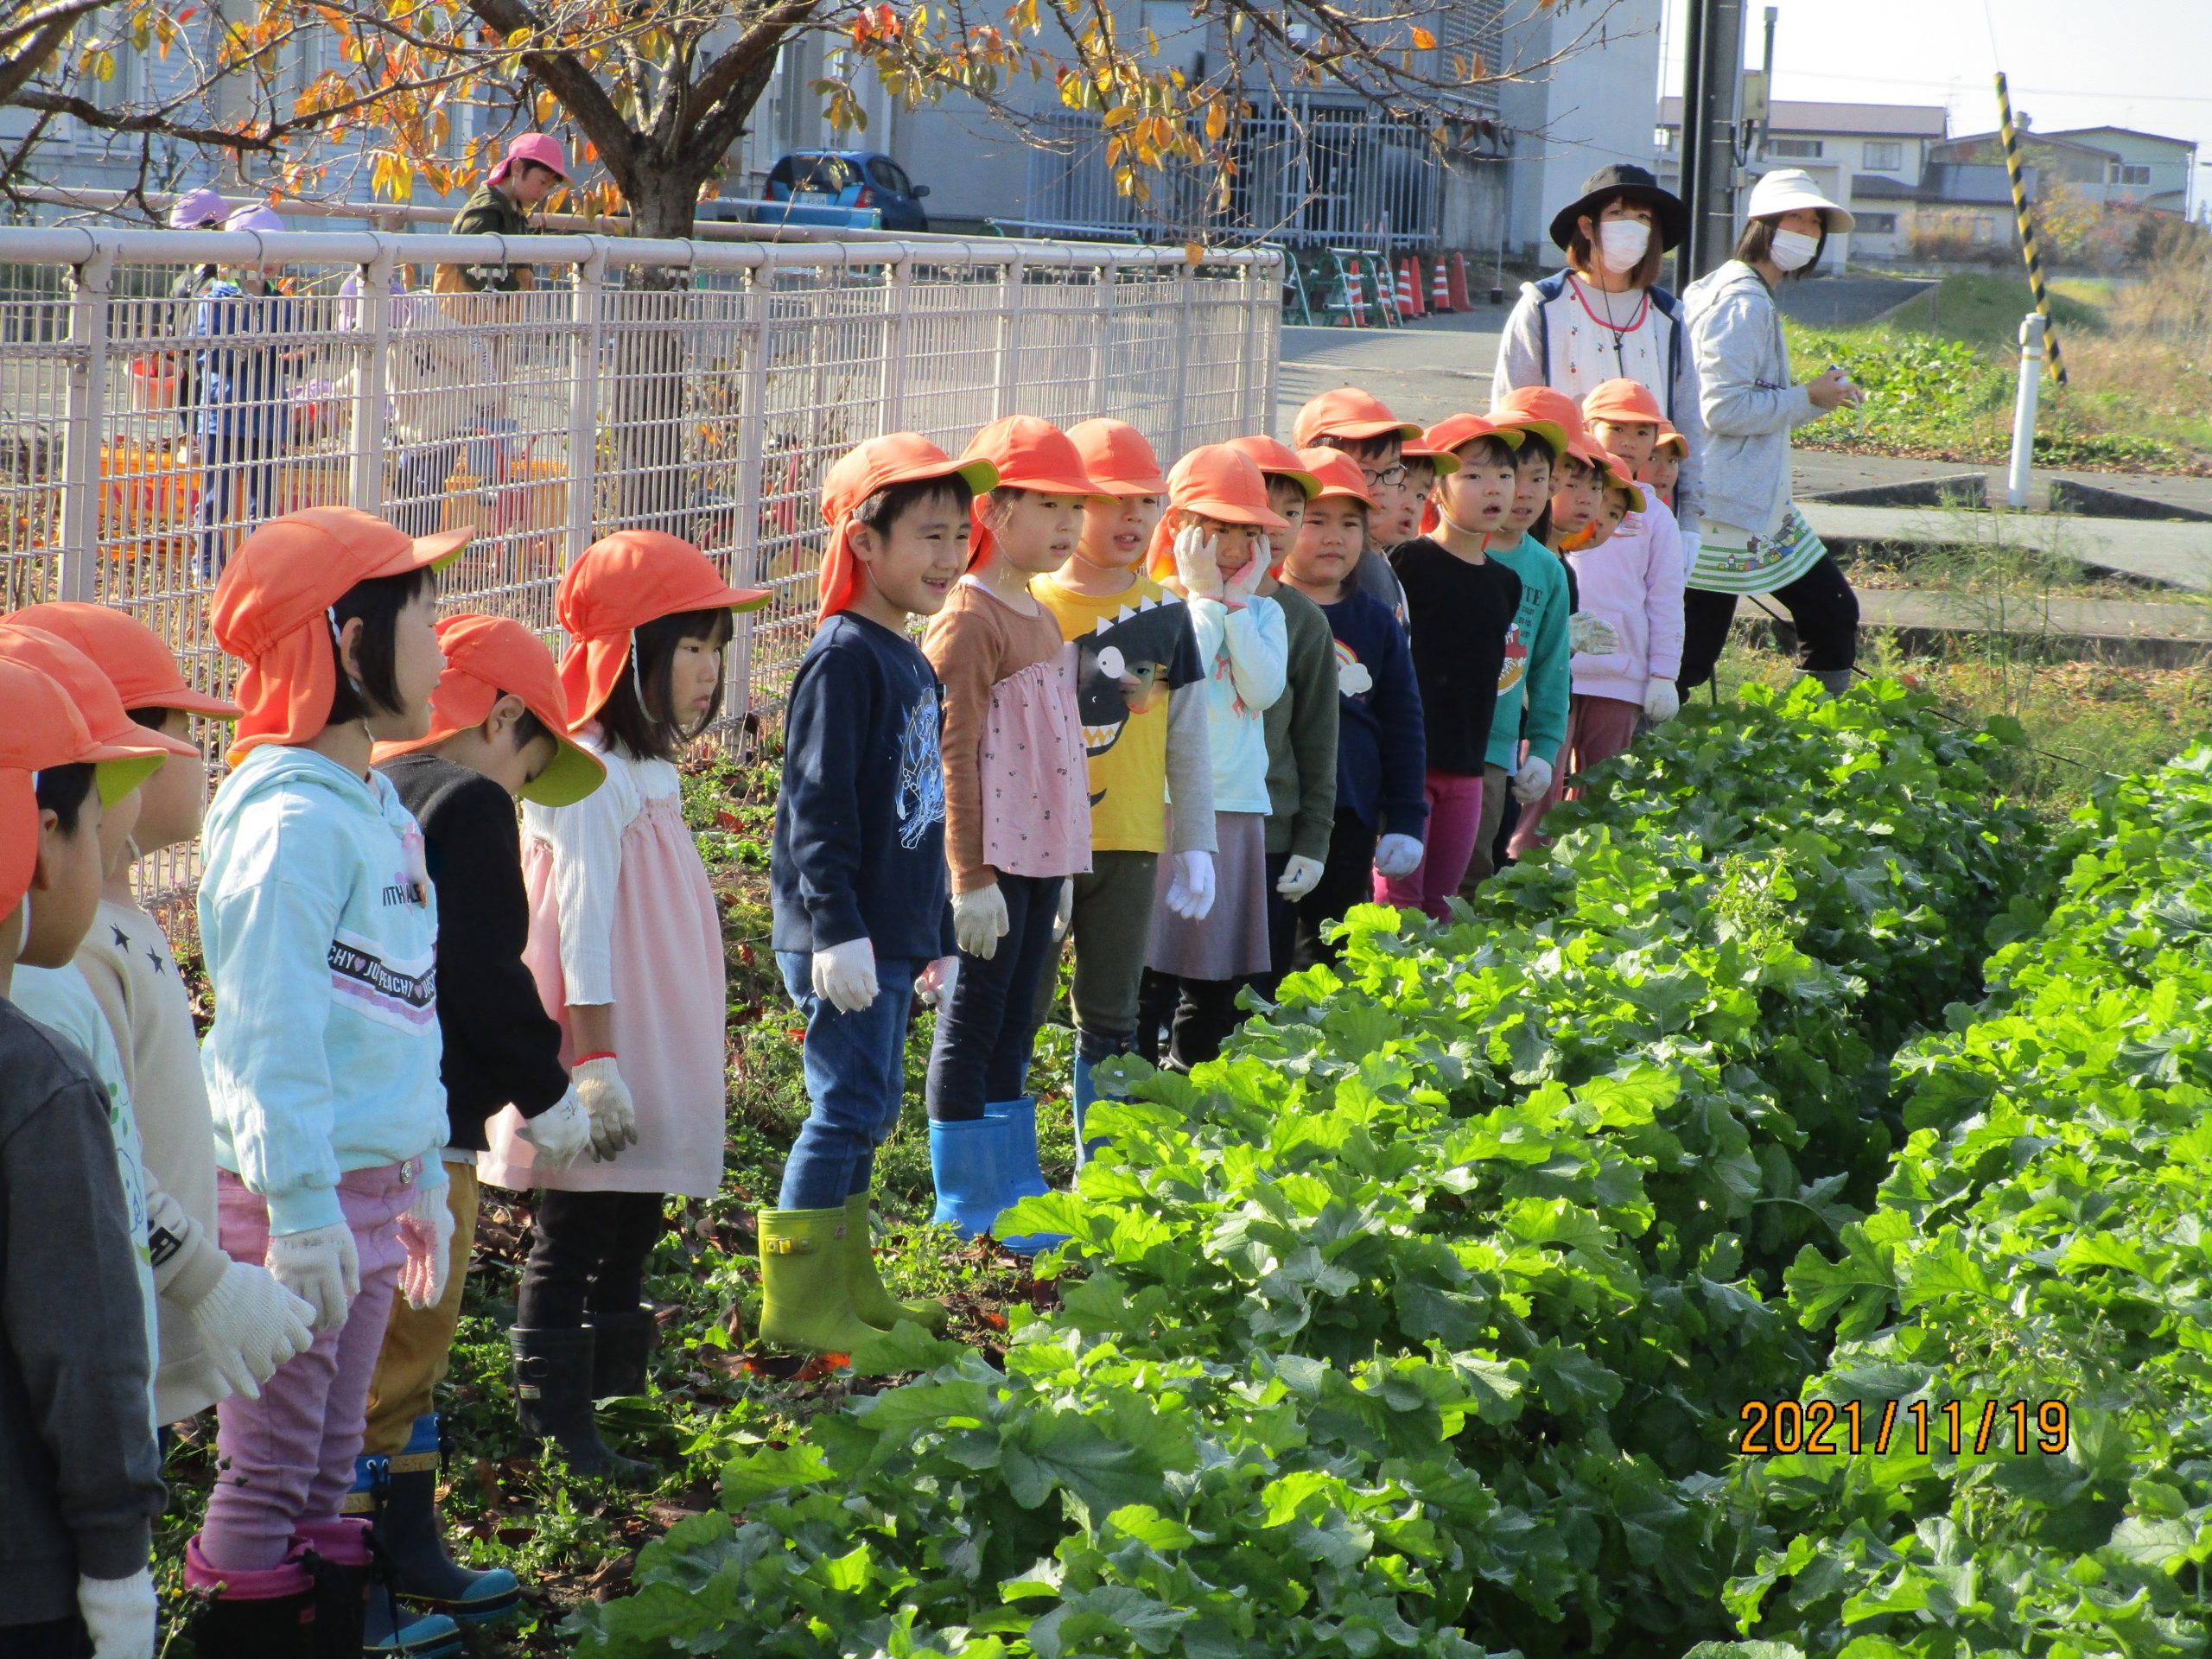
column 1822, row 606
column 1347, row 878
column 588, row 1252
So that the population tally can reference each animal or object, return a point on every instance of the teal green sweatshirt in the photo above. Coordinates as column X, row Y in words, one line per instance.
column 1535, row 672
column 319, row 928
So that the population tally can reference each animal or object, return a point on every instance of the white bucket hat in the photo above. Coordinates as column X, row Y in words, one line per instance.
column 1787, row 189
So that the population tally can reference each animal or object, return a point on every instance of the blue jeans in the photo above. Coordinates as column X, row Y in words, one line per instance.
column 856, row 1078
column 981, row 1051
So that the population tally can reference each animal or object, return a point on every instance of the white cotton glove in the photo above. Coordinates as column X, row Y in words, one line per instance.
column 1300, row 874
column 1064, row 912
column 1194, row 563
column 1246, row 582
column 1590, row 633
column 1397, row 855
column 606, row 1101
column 248, row 1325
column 1189, row 890
column 936, row 985
column 979, row 920
column 118, row 1615
column 426, row 1230
column 558, row 1134
column 321, row 1267
column 1661, row 701
column 1532, row 780
column 844, row 975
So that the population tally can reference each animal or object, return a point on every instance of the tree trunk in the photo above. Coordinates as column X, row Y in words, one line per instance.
column 660, row 481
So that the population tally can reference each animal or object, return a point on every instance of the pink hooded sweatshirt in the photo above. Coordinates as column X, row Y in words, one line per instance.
column 1634, row 582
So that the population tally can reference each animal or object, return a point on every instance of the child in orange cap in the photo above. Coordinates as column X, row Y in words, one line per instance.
column 1424, row 465
column 1380, row 759
column 1017, row 817
column 79, row 1471
column 499, row 731
column 319, row 927
column 224, row 1325
column 625, row 946
column 1643, row 559
column 1301, row 724
column 1214, row 547
column 1661, row 473
column 857, row 874
column 1142, row 689
column 1362, row 425
column 1461, row 605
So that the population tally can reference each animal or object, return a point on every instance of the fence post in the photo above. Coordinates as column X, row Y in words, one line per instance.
column 1271, row 347
column 2032, row 336
column 1177, row 409
column 1102, row 333
column 365, row 489
column 589, row 279
column 751, row 437
column 899, row 312
column 1010, row 286
column 79, row 576
column 1249, row 416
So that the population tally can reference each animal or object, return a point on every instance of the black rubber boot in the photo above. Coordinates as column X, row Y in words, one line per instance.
column 399, row 1496
column 268, row 1613
column 622, row 1344
column 553, row 1396
column 357, row 1614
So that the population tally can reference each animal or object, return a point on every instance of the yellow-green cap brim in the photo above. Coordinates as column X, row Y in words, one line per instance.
column 117, row 778
column 574, row 772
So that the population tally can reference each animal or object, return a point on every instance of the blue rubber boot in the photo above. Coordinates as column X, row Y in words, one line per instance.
column 1086, row 1092
column 398, row 1496
column 965, row 1163
column 1016, row 1124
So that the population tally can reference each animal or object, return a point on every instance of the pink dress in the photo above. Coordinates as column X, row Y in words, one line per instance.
column 620, row 912
column 1036, row 780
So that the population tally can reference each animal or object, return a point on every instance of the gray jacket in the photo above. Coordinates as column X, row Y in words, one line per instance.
column 80, row 1477
column 1749, row 406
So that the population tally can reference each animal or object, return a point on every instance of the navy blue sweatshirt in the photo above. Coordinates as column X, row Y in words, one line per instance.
column 859, row 822
column 1382, row 750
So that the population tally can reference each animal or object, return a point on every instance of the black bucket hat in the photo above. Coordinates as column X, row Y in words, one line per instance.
column 1637, row 184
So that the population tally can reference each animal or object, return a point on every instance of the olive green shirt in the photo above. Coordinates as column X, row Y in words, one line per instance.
column 1301, row 728
column 489, row 212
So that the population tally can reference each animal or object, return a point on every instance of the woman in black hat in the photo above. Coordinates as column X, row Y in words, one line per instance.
column 1604, row 317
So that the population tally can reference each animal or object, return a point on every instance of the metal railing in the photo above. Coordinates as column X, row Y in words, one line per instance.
column 153, row 407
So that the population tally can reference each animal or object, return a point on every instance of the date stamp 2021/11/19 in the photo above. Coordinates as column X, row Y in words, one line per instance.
column 1829, row 1428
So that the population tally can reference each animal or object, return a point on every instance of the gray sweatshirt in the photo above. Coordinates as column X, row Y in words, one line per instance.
column 1750, row 407
column 80, row 1475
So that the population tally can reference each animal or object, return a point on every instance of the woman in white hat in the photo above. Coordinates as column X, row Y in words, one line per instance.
column 1752, row 539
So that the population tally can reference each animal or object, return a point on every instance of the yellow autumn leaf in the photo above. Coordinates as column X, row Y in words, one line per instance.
column 1423, row 41
column 1216, row 122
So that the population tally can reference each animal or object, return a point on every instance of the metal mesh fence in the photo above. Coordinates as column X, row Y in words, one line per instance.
column 163, row 392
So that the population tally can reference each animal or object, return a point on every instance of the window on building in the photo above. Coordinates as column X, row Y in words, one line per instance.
column 1875, row 224
column 2129, row 173
column 1882, row 155
column 1663, row 138
column 1794, row 150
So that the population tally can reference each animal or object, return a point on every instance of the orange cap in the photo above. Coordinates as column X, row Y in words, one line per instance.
column 485, row 657
column 272, row 604
column 1542, row 412
column 894, row 458
column 1348, row 412
column 1442, row 462
column 43, row 728
column 1670, row 438
column 1613, row 471
column 1116, row 458
column 1621, row 401
column 1338, row 474
column 1455, row 432
column 1218, row 482
column 1031, row 453
column 133, row 657
column 1275, row 459
column 129, row 743
column 617, row 585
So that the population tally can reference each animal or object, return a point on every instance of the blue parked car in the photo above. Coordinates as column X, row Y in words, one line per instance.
column 850, row 178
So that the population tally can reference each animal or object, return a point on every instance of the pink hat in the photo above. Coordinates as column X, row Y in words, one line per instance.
column 539, row 146
column 254, row 216
column 197, row 209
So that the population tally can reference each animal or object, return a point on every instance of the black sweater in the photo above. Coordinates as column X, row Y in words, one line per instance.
column 1458, row 615
column 501, row 1047
column 859, row 849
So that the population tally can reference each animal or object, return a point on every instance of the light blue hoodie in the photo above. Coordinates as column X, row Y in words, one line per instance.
column 319, row 927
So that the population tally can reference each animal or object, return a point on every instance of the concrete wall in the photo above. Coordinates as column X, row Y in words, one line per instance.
column 1599, row 104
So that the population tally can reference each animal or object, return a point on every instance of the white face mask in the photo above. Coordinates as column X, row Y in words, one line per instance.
column 1793, row 250
column 1622, row 243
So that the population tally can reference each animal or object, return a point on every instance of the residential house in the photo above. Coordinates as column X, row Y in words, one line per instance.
column 1964, row 198
column 2116, row 167
column 1887, row 144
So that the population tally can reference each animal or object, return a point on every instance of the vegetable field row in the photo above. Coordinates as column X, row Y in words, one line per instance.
column 1424, row 1320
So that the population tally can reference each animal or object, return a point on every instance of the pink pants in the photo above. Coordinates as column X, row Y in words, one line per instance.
column 1598, row 728
column 1455, row 816
column 286, row 1461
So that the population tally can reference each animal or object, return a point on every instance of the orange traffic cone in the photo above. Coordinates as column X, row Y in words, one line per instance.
column 1408, row 290
column 1440, row 291
column 1460, row 300
column 1356, row 298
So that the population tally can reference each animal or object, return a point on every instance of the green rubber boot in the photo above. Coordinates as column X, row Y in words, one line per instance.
column 806, row 1305
column 870, row 1300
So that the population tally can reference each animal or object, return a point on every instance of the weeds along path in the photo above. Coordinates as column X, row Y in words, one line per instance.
column 1423, row 1320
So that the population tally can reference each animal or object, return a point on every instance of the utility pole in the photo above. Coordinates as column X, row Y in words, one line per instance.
column 1712, row 74
column 1766, row 84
